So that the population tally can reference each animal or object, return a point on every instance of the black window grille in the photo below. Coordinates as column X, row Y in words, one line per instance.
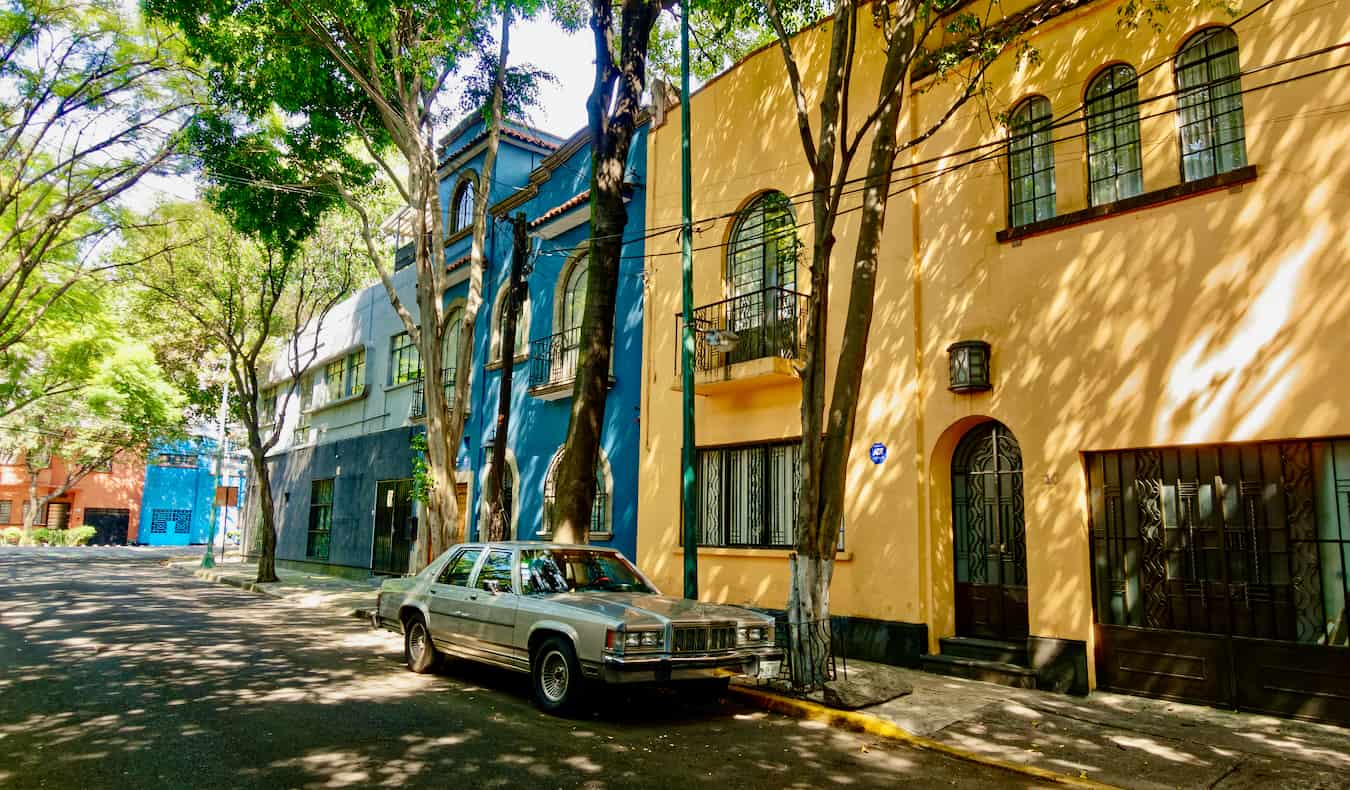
column 747, row 496
column 763, row 250
column 1031, row 163
column 1209, row 103
column 405, row 363
column 6, row 508
column 1115, row 171
column 1245, row 540
column 320, row 519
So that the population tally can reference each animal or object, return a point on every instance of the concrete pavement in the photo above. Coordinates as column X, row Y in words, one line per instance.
column 114, row 673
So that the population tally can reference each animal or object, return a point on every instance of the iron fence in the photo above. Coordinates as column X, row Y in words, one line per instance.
column 553, row 359
column 767, row 323
column 418, row 408
column 813, row 653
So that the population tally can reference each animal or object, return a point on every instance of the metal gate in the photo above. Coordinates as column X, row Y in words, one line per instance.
column 1219, row 574
column 990, row 534
column 110, row 525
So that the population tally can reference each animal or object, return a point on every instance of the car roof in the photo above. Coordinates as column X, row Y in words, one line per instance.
column 535, row 544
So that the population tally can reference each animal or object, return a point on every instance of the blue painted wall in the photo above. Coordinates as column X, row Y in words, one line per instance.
column 539, row 427
column 178, row 489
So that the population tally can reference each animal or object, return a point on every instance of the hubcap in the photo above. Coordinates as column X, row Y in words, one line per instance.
column 553, row 676
column 417, row 643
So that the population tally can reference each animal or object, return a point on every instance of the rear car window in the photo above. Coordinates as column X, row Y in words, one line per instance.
column 458, row 569
column 496, row 569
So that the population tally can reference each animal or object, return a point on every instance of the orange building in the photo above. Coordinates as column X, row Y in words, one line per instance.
column 108, row 500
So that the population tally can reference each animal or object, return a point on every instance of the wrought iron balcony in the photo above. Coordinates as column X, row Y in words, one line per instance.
column 553, row 364
column 769, row 324
column 418, row 408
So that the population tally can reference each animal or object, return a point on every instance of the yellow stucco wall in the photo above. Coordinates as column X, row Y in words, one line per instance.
column 1216, row 318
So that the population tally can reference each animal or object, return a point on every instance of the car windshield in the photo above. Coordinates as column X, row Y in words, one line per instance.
column 577, row 570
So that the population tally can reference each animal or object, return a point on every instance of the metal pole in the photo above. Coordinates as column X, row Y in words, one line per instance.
column 209, row 559
column 687, row 492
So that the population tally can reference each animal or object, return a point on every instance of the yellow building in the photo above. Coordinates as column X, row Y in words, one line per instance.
column 1152, row 493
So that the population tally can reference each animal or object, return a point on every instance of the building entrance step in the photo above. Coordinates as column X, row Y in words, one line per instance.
column 975, row 669
column 985, row 650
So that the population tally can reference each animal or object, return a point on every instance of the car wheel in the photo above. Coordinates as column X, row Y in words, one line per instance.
column 557, row 676
column 418, row 649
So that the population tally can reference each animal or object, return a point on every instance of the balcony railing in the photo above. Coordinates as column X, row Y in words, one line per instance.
column 418, row 408
column 553, row 359
column 758, row 325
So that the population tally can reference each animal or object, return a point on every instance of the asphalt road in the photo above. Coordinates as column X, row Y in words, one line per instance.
column 117, row 672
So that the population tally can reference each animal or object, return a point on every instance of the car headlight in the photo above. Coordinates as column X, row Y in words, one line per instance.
column 754, row 634
column 627, row 641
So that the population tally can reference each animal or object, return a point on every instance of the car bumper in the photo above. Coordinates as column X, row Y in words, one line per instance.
column 757, row 663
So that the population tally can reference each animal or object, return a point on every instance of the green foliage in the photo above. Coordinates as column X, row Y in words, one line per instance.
column 79, row 536
column 421, row 479
column 43, row 535
column 11, row 535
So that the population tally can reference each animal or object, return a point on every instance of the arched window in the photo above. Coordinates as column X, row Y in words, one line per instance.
column 461, row 215
column 499, row 320
column 574, row 295
column 763, row 250
column 510, row 495
column 454, row 337
column 1031, row 163
column 1112, row 107
column 1209, row 103
column 602, row 524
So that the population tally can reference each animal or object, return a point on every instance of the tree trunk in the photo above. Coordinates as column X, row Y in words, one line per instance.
column 30, row 513
column 809, row 632
column 612, row 134
column 267, row 518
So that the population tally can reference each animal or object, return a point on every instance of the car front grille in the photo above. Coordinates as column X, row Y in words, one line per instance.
column 704, row 638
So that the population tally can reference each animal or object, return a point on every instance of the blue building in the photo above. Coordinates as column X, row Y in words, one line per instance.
column 342, row 471
column 178, row 501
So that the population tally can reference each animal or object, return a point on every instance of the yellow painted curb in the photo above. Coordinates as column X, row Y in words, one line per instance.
column 862, row 722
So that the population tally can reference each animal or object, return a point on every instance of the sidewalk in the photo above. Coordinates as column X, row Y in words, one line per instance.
column 352, row 597
column 1107, row 738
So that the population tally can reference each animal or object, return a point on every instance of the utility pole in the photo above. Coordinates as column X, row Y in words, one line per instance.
column 498, row 521
column 687, row 491
column 208, row 559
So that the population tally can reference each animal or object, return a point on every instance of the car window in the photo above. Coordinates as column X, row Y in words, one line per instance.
column 457, row 570
column 497, row 569
column 577, row 570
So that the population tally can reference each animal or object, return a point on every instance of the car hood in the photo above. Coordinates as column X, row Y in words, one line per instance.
column 640, row 607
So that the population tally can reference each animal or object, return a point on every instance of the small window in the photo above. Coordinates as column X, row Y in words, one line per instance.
column 6, row 509
column 747, row 496
column 497, row 569
column 458, row 570
column 333, row 374
column 308, row 391
column 320, row 519
column 462, row 216
column 1031, row 163
column 1114, row 168
column 1209, row 105
column 177, row 460
column 355, row 382
column 454, row 337
column 405, row 364
column 267, row 406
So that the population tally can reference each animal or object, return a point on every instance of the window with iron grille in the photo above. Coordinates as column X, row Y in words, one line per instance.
column 164, row 520
column 1114, row 168
column 177, row 460
column 1031, row 163
column 763, row 250
column 747, row 496
column 600, row 513
column 320, row 519
column 462, row 216
column 405, row 364
column 1209, row 105
column 6, row 507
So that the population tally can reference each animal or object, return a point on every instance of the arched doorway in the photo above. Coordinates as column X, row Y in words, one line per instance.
column 989, row 533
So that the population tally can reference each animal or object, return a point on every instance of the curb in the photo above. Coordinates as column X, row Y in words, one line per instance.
column 872, row 725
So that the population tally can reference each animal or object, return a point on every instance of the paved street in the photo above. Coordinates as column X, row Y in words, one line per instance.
column 116, row 672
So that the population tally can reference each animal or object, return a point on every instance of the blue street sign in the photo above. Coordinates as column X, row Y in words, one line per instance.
column 878, row 453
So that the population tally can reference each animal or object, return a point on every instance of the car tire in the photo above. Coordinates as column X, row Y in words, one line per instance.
column 558, row 684
column 418, row 650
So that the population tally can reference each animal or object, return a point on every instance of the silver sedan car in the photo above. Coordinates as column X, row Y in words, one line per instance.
column 567, row 615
